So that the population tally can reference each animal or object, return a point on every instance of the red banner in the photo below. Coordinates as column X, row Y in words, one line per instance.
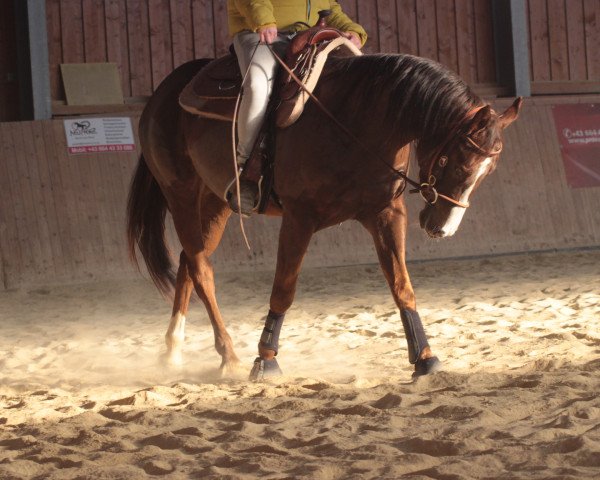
column 578, row 129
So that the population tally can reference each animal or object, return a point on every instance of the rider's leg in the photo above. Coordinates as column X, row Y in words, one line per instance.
column 262, row 67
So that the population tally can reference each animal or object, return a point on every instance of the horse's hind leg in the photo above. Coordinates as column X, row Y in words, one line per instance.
column 175, row 335
column 200, row 226
column 388, row 229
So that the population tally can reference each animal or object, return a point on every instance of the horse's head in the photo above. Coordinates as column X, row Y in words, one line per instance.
column 451, row 173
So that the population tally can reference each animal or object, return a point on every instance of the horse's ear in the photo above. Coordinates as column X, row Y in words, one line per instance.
column 481, row 119
column 511, row 113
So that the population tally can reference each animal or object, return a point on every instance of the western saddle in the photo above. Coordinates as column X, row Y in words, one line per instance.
column 213, row 92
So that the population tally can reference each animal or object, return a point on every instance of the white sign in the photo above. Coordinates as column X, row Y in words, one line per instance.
column 99, row 135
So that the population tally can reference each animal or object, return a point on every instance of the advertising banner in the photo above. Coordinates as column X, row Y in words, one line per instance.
column 99, row 135
column 578, row 129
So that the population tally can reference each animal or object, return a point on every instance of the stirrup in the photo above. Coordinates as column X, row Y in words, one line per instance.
column 248, row 197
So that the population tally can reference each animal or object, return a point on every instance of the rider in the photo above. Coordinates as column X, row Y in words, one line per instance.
column 253, row 24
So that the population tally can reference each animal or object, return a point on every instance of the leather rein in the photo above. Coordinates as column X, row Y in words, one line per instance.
column 427, row 189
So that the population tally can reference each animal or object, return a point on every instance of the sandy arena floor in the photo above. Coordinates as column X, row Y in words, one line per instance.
column 83, row 394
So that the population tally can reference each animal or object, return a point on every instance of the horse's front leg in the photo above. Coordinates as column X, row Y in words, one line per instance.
column 294, row 237
column 388, row 229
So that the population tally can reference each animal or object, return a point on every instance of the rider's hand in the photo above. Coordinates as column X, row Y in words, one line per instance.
column 354, row 38
column 267, row 34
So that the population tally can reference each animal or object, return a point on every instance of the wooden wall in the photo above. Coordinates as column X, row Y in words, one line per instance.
column 564, row 39
column 147, row 39
column 62, row 217
column 457, row 33
column 9, row 93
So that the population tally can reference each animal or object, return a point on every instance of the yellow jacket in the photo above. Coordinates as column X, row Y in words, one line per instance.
column 253, row 14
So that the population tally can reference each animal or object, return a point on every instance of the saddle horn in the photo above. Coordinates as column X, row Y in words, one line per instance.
column 323, row 14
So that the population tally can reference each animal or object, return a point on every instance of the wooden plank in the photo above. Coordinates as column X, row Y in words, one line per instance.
column 94, row 33
column 465, row 39
column 72, row 31
column 426, row 29
column 484, row 34
column 59, row 109
column 23, row 201
column 222, row 38
column 140, row 64
column 161, row 50
column 204, row 35
column 68, row 179
column 540, row 48
column 592, row 37
column 553, row 88
column 112, row 213
column 92, row 188
column 368, row 18
column 117, row 46
column 10, row 202
column 181, row 31
column 38, row 217
column 86, row 183
column 55, row 57
column 576, row 40
column 447, row 34
column 49, row 206
column 388, row 26
column 407, row 31
column 490, row 90
column 557, row 31
column 67, row 264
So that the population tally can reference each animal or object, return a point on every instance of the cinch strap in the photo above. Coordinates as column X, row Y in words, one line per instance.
column 415, row 335
column 270, row 335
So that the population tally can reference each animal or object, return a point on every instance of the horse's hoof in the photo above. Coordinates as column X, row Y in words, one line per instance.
column 172, row 359
column 263, row 369
column 427, row 366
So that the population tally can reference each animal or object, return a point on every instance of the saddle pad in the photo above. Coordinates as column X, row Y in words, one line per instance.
column 293, row 98
column 213, row 91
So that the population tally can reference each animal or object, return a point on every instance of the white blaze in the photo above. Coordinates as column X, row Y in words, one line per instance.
column 456, row 214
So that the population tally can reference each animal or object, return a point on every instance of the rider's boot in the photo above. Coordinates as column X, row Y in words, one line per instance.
column 247, row 197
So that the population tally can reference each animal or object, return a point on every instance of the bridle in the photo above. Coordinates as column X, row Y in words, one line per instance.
column 439, row 160
column 426, row 189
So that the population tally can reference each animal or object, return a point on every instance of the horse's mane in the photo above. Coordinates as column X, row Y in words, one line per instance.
column 431, row 98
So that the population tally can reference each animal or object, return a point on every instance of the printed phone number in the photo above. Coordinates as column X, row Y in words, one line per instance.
column 568, row 133
column 102, row 148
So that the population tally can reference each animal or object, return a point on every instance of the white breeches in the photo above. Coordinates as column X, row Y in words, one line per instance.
column 257, row 87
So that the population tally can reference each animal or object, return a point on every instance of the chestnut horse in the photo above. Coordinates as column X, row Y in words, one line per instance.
column 323, row 177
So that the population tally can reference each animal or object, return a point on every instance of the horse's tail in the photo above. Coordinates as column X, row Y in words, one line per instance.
column 146, row 211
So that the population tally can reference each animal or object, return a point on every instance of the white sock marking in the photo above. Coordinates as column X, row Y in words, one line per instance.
column 174, row 339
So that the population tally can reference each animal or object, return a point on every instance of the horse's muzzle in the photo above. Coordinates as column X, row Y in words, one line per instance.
column 432, row 228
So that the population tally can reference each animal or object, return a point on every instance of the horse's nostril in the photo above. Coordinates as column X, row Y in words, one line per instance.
column 437, row 232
